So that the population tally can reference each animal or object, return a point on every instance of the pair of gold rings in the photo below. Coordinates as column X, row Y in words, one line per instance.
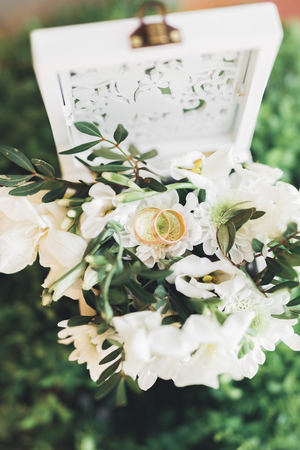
column 153, row 226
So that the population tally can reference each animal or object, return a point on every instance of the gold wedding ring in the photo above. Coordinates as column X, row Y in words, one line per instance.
column 177, row 228
column 153, row 226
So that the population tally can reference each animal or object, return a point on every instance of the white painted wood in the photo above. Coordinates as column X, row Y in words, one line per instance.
column 252, row 31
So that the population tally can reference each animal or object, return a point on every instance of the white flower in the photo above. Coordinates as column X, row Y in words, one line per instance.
column 99, row 211
column 88, row 346
column 269, row 330
column 28, row 226
column 202, row 170
column 150, row 254
column 252, row 171
column 220, row 200
column 216, row 345
column 205, row 276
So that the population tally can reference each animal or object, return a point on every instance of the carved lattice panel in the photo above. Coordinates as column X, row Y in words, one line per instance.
column 194, row 96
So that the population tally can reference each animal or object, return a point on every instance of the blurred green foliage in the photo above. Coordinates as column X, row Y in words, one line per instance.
column 47, row 402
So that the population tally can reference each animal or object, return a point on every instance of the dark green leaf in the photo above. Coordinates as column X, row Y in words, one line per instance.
column 121, row 277
column 108, row 372
column 168, row 320
column 133, row 150
column 152, row 184
column 89, row 298
column 14, row 180
column 109, row 168
column 267, row 278
column 54, row 194
column 178, row 304
column 226, row 237
column 17, row 157
column 257, row 245
column 76, row 321
column 120, row 134
column 273, row 265
column 80, row 148
column 117, row 296
column 286, row 316
column 148, row 155
column 88, row 128
column 102, row 328
column 113, row 355
column 44, row 167
column 257, row 215
column 201, row 195
column 160, row 291
column 287, row 272
column 291, row 230
column 140, row 293
column 290, row 259
column 28, row 189
column 106, row 387
column 241, row 218
column 220, row 316
column 120, row 395
column 294, row 302
column 285, row 285
column 132, row 384
column 155, row 274
column 108, row 154
column 110, row 342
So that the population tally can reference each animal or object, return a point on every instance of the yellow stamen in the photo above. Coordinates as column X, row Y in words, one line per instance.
column 197, row 166
column 110, row 211
column 207, row 279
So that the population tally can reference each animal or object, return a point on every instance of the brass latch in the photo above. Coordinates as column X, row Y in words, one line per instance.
column 157, row 33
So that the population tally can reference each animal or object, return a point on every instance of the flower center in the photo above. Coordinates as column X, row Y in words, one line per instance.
column 207, row 279
column 218, row 210
column 108, row 212
column 197, row 166
column 261, row 321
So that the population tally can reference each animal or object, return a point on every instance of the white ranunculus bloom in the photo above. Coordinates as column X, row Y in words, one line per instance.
column 28, row 226
column 269, row 329
column 203, row 171
column 150, row 254
column 255, row 171
column 197, row 277
column 88, row 346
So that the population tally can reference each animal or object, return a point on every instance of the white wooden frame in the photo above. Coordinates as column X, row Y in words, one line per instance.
column 254, row 27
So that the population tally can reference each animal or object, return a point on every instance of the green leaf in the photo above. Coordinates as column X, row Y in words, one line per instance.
column 178, row 304
column 121, row 277
column 76, row 321
column 201, row 195
column 132, row 384
column 109, row 343
column 220, row 316
column 148, row 155
column 257, row 215
column 273, row 265
column 28, row 189
column 294, row 302
column 160, row 291
column 153, row 184
column 44, row 167
column 108, row 372
column 290, row 259
column 257, row 245
column 80, row 148
column 17, row 157
column 285, row 285
column 155, row 274
column 287, row 272
column 133, row 150
column 106, row 387
column 140, row 293
column 110, row 168
column 89, row 298
column 120, row 395
column 108, row 154
column 226, row 236
column 14, row 180
column 168, row 320
column 88, row 128
column 102, row 328
column 120, row 134
column 267, row 278
column 239, row 219
column 117, row 296
column 286, row 316
column 54, row 194
column 291, row 230
column 113, row 355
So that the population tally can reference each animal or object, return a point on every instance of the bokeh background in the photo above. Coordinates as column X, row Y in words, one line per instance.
column 47, row 402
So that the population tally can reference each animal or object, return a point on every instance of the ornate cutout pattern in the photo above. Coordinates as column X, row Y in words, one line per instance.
column 193, row 96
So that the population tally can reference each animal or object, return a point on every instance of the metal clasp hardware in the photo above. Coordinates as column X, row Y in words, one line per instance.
column 157, row 33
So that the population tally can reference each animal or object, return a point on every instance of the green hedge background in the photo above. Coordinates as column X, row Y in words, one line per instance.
column 47, row 402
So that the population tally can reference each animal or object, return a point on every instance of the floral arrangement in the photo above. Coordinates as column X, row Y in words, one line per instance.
column 182, row 280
